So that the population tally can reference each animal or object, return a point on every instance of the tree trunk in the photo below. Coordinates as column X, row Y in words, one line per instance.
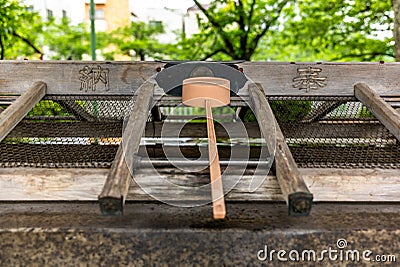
column 396, row 9
column 1, row 48
column 142, row 55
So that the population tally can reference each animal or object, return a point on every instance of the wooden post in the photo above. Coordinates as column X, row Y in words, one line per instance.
column 322, row 111
column 115, row 190
column 77, row 110
column 294, row 189
column 387, row 115
column 12, row 115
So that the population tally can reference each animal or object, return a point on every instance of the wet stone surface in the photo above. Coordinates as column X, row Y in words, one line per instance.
column 75, row 234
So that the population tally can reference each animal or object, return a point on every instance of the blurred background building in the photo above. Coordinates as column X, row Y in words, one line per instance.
column 109, row 14
column 112, row 14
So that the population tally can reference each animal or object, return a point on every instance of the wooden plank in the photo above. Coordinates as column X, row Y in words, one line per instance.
column 392, row 99
column 353, row 184
column 74, row 184
column 124, row 78
column 77, row 77
column 115, row 190
column 7, row 99
column 279, row 78
column 18, row 109
column 41, row 184
column 294, row 189
column 382, row 110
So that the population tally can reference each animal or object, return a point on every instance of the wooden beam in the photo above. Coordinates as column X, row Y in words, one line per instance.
column 393, row 101
column 85, row 184
column 12, row 115
column 7, row 99
column 115, row 190
column 53, row 184
column 338, row 78
column 47, row 128
column 322, row 110
column 124, row 78
column 77, row 110
column 294, row 189
column 379, row 107
column 77, row 77
column 360, row 129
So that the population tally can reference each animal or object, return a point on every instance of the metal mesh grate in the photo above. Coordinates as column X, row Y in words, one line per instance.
column 335, row 133
column 68, row 131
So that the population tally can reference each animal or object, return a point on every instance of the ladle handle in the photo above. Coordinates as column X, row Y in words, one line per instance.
column 217, row 192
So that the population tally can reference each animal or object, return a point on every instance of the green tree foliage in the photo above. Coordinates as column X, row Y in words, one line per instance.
column 233, row 28
column 48, row 108
column 346, row 30
column 66, row 41
column 139, row 38
column 284, row 30
column 19, row 30
column 306, row 30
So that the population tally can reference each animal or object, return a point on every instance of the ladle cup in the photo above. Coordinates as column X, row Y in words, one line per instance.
column 209, row 92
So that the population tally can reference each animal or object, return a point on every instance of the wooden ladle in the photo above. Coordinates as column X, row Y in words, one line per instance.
column 210, row 92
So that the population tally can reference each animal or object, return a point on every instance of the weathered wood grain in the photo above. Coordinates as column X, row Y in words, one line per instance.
column 382, row 110
column 63, row 77
column 294, row 189
column 41, row 184
column 71, row 77
column 74, row 184
column 113, row 194
column 12, row 115
column 277, row 77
